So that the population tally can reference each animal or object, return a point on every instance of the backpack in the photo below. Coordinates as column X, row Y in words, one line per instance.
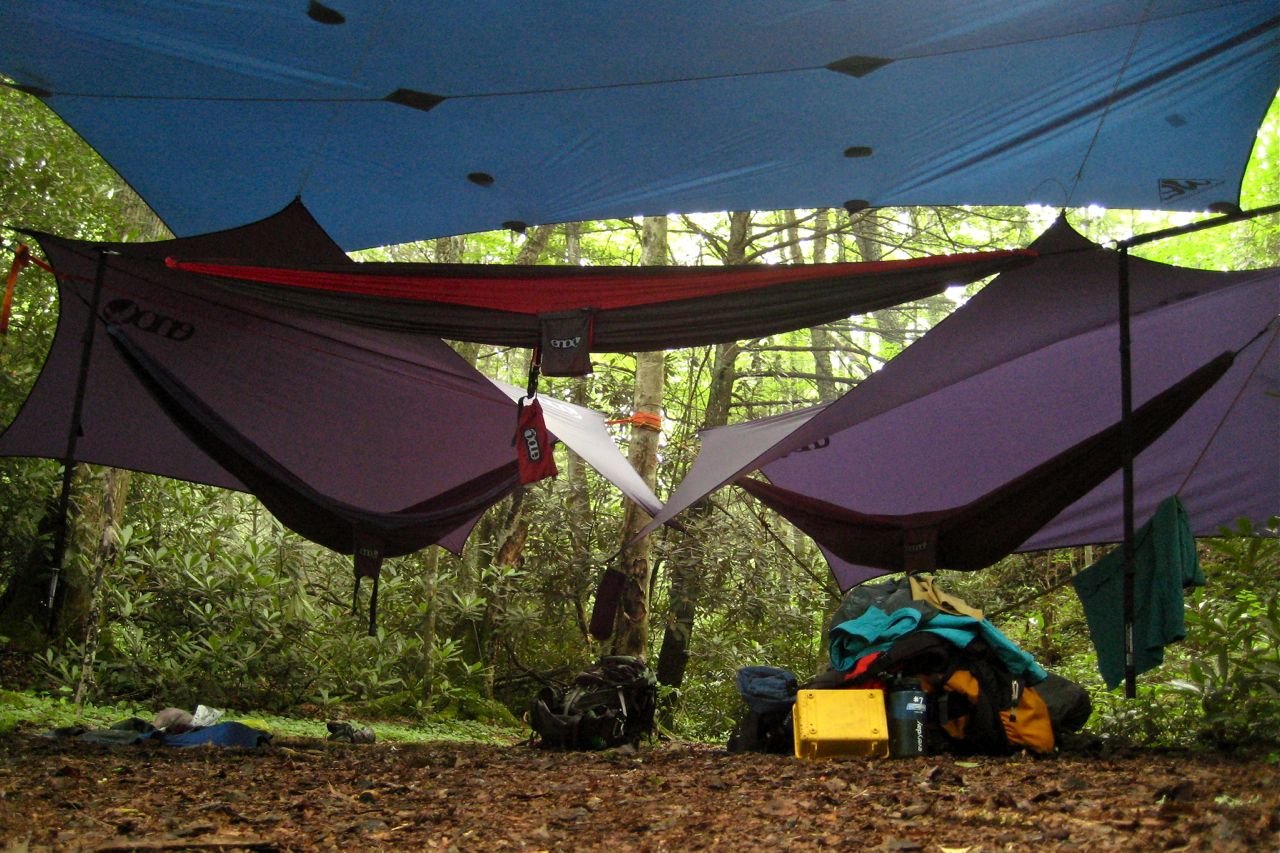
column 770, row 694
column 981, row 710
column 770, row 732
column 975, row 705
column 609, row 704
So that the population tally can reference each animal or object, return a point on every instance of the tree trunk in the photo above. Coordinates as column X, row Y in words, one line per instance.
column 724, row 372
column 515, row 532
column 485, row 632
column 449, row 250
column 686, row 566
column 535, row 244
column 578, row 501
column 25, row 617
column 515, row 528
column 24, row 614
column 888, row 321
column 820, row 337
column 430, row 563
column 631, row 625
column 578, row 511
column 106, row 520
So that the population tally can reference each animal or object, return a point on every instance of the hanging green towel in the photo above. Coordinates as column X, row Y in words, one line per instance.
column 1164, row 563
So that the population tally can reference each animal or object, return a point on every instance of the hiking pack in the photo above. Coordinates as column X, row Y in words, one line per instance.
column 609, row 704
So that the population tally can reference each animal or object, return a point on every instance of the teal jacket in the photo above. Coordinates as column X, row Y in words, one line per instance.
column 875, row 631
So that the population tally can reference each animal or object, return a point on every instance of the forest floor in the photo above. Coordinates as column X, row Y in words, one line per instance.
column 311, row 794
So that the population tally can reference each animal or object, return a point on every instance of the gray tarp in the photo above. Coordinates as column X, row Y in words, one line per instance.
column 1023, row 371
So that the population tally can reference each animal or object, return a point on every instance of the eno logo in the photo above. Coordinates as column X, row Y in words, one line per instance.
column 1172, row 189
column 531, row 443
column 126, row 312
column 565, row 343
column 366, row 551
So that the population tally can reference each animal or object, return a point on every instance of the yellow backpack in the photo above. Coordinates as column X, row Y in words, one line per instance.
column 966, row 713
column 975, row 705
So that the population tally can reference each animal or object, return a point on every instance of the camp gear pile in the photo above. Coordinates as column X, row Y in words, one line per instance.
column 906, row 640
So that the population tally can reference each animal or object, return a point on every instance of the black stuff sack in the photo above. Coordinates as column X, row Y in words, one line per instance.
column 610, row 704
column 770, row 694
column 770, row 732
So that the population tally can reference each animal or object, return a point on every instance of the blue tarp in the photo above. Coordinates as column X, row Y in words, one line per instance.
column 229, row 733
column 393, row 123
column 135, row 731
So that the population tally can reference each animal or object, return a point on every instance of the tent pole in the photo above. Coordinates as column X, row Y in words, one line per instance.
column 73, row 438
column 1126, row 412
column 1192, row 227
column 1126, row 431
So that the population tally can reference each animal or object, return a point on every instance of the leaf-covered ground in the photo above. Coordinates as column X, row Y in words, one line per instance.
column 302, row 794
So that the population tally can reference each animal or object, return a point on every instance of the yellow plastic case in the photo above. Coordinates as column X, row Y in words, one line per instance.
column 834, row 723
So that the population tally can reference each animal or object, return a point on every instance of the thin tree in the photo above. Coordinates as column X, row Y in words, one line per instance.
column 686, row 568
column 631, row 625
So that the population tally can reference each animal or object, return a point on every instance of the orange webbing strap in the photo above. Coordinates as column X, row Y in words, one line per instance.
column 644, row 420
column 21, row 258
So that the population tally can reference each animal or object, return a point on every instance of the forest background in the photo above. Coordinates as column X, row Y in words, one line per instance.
column 178, row 593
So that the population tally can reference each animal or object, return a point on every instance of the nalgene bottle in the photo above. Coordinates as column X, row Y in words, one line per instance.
column 906, row 718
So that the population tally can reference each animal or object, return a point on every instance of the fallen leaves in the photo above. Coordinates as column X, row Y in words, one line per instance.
column 305, row 796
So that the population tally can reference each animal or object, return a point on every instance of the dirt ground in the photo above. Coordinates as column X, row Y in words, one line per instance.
column 316, row 795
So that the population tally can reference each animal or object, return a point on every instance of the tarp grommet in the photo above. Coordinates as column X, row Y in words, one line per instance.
column 323, row 14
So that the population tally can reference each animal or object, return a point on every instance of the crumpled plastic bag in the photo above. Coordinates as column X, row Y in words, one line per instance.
column 206, row 716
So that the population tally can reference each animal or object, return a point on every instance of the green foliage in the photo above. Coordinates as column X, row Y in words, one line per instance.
column 1158, row 716
column 31, row 713
column 211, row 601
column 1232, row 653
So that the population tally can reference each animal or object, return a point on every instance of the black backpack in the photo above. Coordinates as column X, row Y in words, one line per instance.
column 770, row 732
column 610, row 704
